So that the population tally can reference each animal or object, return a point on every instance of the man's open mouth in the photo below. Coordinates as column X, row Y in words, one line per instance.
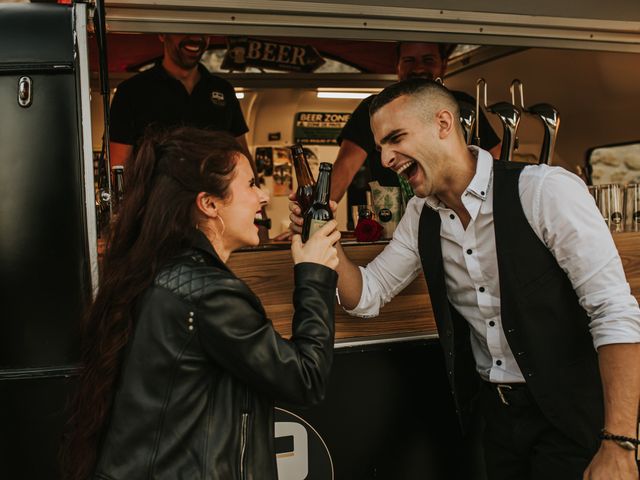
column 408, row 170
column 193, row 46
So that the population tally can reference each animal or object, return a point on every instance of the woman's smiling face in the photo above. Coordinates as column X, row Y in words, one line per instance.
column 239, row 209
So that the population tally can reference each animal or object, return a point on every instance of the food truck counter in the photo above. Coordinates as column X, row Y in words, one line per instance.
column 268, row 271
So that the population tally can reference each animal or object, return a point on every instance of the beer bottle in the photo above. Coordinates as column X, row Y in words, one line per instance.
column 117, row 186
column 319, row 213
column 304, row 178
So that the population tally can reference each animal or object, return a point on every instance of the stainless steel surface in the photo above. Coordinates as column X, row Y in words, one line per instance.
column 80, row 18
column 383, row 340
column 339, row 20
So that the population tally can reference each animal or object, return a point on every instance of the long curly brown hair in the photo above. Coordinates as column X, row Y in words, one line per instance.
column 155, row 221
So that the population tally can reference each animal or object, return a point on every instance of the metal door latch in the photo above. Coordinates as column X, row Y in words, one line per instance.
column 25, row 91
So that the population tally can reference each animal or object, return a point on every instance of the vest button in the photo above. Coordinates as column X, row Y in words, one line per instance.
column 498, row 362
column 481, row 289
column 452, row 216
column 469, row 251
column 492, row 323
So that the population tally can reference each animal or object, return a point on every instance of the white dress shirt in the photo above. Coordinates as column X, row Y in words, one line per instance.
column 565, row 218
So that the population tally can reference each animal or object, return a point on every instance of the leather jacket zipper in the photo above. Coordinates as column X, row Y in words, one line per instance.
column 244, row 435
column 243, row 443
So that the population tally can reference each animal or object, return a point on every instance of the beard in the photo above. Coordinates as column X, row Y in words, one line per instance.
column 189, row 52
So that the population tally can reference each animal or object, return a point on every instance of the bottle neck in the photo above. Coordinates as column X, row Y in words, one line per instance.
column 323, row 187
column 303, row 172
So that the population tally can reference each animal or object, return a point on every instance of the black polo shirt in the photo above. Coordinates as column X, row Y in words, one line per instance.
column 156, row 99
column 358, row 130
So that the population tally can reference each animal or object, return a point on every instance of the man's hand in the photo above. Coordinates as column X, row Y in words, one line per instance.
column 295, row 214
column 612, row 462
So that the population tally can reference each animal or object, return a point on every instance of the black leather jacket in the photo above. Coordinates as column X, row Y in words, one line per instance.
column 203, row 368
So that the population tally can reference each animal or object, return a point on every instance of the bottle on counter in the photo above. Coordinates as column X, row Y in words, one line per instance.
column 320, row 212
column 117, row 186
column 306, row 183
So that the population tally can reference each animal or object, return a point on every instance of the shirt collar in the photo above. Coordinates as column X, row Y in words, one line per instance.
column 160, row 71
column 479, row 185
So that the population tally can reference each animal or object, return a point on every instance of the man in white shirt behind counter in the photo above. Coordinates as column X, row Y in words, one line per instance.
column 534, row 313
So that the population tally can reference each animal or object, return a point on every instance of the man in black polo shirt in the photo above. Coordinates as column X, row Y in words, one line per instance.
column 357, row 146
column 179, row 91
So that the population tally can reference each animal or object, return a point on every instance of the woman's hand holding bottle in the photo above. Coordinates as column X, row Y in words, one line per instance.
column 320, row 248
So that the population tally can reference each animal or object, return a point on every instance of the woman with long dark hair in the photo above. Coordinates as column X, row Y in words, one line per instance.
column 181, row 364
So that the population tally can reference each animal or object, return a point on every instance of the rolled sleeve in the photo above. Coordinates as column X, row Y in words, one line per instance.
column 564, row 216
column 394, row 268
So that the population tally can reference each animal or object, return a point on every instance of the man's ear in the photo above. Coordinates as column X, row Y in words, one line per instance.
column 206, row 205
column 445, row 122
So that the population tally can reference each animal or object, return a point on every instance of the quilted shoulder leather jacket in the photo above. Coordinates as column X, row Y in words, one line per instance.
column 203, row 368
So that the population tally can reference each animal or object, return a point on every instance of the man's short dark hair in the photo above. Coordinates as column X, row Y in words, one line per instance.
column 444, row 49
column 411, row 86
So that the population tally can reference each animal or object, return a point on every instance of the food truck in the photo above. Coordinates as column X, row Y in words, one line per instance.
column 300, row 69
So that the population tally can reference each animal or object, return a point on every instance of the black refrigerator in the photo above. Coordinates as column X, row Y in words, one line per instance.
column 44, row 263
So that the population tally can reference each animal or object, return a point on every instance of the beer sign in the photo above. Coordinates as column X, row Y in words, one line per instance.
column 319, row 128
column 253, row 52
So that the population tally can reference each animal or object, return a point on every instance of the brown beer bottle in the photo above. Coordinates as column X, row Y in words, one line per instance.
column 320, row 212
column 304, row 192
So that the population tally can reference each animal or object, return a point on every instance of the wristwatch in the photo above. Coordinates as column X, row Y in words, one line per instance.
column 628, row 443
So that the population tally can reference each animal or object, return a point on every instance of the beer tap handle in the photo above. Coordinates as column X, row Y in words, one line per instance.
column 516, row 86
column 509, row 115
column 467, row 120
column 550, row 118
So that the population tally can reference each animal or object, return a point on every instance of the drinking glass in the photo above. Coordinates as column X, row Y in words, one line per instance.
column 610, row 205
column 632, row 207
column 594, row 190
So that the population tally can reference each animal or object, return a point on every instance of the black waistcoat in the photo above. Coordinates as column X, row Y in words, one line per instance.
column 544, row 324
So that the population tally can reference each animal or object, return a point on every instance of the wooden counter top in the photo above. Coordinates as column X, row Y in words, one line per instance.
column 270, row 274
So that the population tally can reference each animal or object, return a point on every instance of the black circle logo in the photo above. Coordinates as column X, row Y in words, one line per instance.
column 385, row 215
column 301, row 453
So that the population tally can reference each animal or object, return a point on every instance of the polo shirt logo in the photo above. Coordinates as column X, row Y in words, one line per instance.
column 217, row 98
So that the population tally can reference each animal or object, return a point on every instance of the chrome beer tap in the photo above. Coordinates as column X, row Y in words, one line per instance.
column 467, row 120
column 509, row 115
column 550, row 118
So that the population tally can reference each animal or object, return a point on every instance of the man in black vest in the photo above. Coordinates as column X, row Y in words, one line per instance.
column 536, row 319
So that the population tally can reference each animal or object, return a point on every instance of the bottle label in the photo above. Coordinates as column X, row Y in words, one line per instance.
column 315, row 225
